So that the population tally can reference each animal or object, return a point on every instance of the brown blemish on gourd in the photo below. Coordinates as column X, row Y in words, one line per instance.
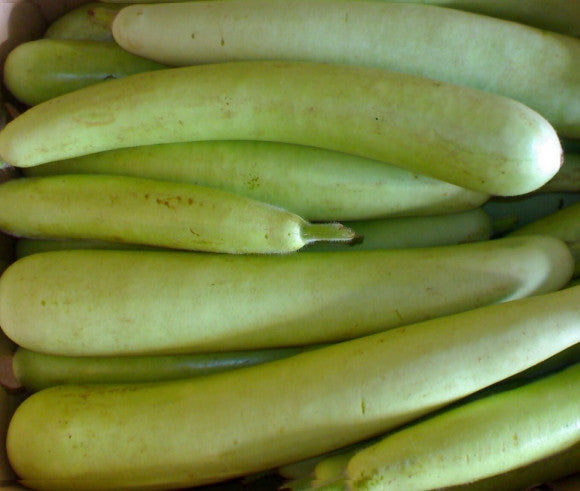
column 170, row 202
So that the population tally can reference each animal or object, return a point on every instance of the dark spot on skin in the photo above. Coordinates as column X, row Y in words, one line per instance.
column 253, row 182
column 169, row 202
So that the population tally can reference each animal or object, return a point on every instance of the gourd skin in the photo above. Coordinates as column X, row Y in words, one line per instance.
column 83, row 301
column 450, row 45
column 207, row 429
column 467, row 137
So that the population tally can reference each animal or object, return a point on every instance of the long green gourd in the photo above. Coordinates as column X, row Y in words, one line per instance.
column 38, row 70
column 556, row 15
column 564, row 224
column 84, row 23
column 209, row 429
column 35, row 371
column 314, row 183
column 441, row 43
column 107, row 302
column 479, row 439
column 25, row 247
column 464, row 136
column 328, row 473
column 154, row 213
column 389, row 233
column 555, row 469
column 557, row 466
column 418, row 231
column 518, row 471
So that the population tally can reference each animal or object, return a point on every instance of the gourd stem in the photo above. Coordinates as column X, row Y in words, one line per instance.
column 328, row 232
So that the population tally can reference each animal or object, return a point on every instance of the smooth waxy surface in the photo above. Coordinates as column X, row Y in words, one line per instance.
column 82, row 23
column 556, row 15
column 428, row 231
column 459, row 47
column 203, row 430
column 45, row 68
column 99, row 302
column 558, row 469
column 460, row 135
column 479, row 439
column 315, row 183
column 153, row 213
column 36, row 371
column 564, row 224
column 388, row 233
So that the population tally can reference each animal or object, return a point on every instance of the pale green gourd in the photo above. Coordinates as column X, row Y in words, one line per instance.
column 35, row 371
column 557, row 15
column 491, row 54
column 111, row 302
column 389, row 233
column 479, row 439
column 209, row 429
column 38, row 70
column 470, row 138
column 154, row 213
column 82, row 23
column 314, row 183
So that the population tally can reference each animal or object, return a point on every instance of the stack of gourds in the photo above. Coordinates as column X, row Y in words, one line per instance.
column 252, row 237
